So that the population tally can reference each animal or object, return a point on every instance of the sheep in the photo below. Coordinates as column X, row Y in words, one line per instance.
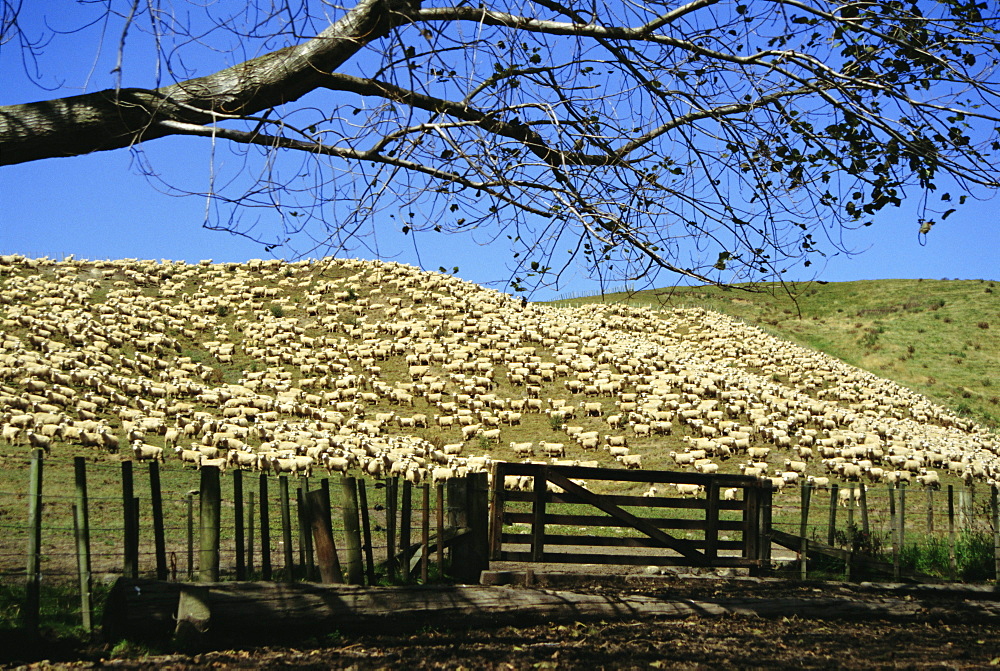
column 686, row 490
column 617, row 452
column 219, row 463
column 630, row 461
column 339, row 464
column 707, row 468
column 39, row 441
column 552, row 449
column 846, row 495
column 817, row 482
column 490, row 434
column 147, row 452
column 730, row 494
column 929, row 479
column 522, row 449
column 190, row 456
column 796, row 466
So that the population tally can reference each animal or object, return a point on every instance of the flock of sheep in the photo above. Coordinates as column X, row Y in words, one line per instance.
column 380, row 368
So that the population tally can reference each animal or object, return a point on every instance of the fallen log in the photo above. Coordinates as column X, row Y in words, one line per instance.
column 241, row 613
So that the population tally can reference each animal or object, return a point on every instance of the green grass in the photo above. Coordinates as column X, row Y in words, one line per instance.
column 940, row 338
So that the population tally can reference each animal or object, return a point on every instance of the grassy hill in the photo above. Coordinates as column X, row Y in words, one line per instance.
column 940, row 338
column 346, row 354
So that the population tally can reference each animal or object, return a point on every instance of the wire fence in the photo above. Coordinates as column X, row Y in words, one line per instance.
column 262, row 534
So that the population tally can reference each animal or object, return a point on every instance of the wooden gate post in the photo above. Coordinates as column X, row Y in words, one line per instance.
column 468, row 508
column 540, row 492
column 496, row 510
column 156, row 501
column 210, row 524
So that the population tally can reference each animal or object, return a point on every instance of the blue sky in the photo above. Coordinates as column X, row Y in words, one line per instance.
column 101, row 206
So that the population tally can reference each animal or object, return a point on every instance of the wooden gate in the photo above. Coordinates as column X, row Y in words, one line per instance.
column 708, row 528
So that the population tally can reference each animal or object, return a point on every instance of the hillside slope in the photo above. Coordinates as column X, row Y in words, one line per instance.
column 937, row 337
column 380, row 367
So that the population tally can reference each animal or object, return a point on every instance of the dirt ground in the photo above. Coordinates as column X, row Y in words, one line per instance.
column 945, row 636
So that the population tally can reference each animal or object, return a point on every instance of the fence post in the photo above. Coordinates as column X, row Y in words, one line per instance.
column 366, row 529
column 33, row 587
column 210, row 517
column 425, row 533
column 468, row 507
column 238, row 523
column 440, row 530
column 250, row 533
column 930, row 511
column 286, row 528
column 995, row 507
column 952, row 568
column 317, row 513
column 352, row 530
column 894, row 533
column 803, row 530
column 390, row 528
column 306, row 554
column 190, row 534
column 156, row 500
column 265, row 528
column 81, row 528
column 405, row 522
column 496, row 510
column 831, row 527
column 902, row 516
column 130, row 545
column 864, row 509
column 766, row 512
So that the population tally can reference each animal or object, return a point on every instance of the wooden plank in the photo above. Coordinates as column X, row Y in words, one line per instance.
column 611, row 522
column 620, row 500
column 623, row 559
column 641, row 476
column 608, row 541
column 680, row 546
column 238, row 614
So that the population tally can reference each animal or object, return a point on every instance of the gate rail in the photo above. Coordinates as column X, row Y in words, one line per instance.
column 553, row 485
